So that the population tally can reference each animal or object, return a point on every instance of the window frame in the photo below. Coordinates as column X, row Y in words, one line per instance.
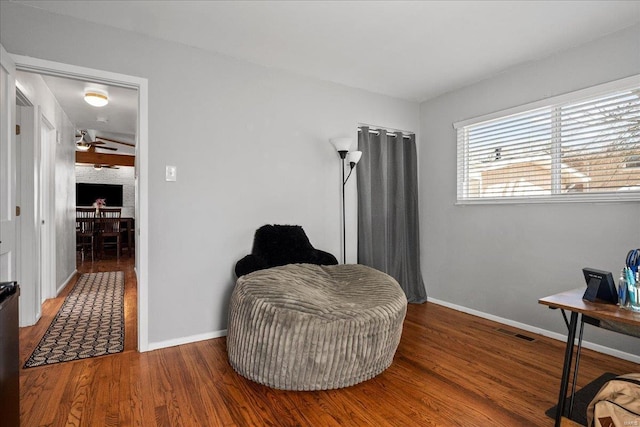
column 632, row 82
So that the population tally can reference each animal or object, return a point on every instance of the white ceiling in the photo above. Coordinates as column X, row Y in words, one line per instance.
column 413, row 50
column 116, row 120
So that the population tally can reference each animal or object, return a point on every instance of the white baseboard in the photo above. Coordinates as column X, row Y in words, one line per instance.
column 66, row 282
column 560, row 337
column 186, row 340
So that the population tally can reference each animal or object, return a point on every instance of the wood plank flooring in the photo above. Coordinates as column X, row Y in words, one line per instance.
column 450, row 369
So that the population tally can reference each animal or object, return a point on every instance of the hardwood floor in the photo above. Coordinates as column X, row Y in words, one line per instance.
column 450, row 369
column 30, row 336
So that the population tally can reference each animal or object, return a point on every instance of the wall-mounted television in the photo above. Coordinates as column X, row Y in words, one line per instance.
column 86, row 194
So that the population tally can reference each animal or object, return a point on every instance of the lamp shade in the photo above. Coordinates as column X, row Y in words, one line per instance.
column 341, row 144
column 354, row 157
column 95, row 97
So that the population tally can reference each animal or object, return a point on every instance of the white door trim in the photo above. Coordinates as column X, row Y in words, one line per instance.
column 46, row 195
column 52, row 68
column 8, row 222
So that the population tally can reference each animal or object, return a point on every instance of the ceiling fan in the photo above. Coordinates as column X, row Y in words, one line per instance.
column 88, row 146
column 83, row 145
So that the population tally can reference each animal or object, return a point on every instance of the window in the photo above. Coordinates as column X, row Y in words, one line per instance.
column 584, row 146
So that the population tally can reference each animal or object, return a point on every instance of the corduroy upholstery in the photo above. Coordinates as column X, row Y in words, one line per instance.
column 311, row 327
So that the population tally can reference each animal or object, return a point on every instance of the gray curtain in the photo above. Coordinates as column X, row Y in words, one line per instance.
column 388, row 237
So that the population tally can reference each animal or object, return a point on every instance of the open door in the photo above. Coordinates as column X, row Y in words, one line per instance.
column 7, row 168
column 29, row 178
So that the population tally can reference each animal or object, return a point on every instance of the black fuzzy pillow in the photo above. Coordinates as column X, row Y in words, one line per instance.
column 275, row 245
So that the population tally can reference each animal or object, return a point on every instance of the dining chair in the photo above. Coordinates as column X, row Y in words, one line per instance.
column 109, row 229
column 85, row 230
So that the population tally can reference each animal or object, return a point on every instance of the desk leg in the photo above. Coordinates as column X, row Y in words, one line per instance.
column 575, row 370
column 568, row 357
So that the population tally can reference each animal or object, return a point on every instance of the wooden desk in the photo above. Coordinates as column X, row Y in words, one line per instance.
column 572, row 301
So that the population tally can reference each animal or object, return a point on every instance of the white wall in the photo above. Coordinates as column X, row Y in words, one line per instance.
column 124, row 176
column 500, row 259
column 250, row 145
column 64, row 186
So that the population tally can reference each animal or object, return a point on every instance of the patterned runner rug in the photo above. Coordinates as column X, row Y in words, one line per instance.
column 90, row 322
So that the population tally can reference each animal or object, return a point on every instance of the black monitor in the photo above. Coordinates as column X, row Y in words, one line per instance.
column 600, row 286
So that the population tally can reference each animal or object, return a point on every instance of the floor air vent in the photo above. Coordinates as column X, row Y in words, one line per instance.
column 513, row 334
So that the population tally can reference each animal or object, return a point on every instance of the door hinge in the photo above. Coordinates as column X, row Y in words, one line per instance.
column 17, row 129
column 17, row 210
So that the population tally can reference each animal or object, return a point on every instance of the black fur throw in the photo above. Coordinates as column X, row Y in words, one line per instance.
column 275, row 245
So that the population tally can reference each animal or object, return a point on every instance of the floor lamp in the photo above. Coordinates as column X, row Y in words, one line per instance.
column 342, row 145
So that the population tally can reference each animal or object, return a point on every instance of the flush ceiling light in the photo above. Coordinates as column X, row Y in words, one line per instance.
column 95, row 97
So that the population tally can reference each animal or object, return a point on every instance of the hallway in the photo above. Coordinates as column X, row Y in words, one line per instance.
column 31, row 335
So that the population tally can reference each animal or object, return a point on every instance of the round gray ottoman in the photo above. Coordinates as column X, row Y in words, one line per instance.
column 311, row 327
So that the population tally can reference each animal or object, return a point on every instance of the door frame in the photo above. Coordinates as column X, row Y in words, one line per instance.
column 8, row 221
column 58, row 69
column 46, row 194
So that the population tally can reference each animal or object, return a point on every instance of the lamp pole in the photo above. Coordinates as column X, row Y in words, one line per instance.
column 344, row 224
column 352, row 158
column 343, row 155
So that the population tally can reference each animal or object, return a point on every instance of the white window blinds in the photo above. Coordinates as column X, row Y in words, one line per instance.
column 581, row 146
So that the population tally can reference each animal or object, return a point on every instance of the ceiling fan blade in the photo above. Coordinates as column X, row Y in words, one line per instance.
column 116, row 141
column 98, row 166
column 107, row 148
column 97, row 142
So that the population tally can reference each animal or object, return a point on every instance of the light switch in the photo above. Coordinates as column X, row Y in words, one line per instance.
column 170, row 173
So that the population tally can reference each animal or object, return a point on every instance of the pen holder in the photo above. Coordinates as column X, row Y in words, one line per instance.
column 623, row 294
column 633, row 297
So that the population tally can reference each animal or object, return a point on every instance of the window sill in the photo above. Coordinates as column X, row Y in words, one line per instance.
column 633, row 197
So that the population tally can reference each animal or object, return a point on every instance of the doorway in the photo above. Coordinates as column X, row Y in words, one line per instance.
column 49, row 68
